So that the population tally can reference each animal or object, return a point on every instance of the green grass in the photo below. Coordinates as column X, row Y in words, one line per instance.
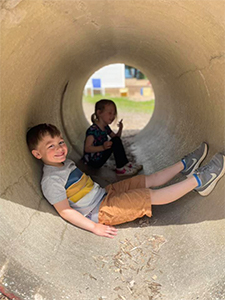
column 124, row 104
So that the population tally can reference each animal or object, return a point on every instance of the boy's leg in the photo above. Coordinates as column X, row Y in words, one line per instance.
column 173, row 192
column 187, row 166
column 203, row 181
column 163, row 176
column 121, row 206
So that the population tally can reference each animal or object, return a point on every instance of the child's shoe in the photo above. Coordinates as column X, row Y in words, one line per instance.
column 125, row 171
column 132, row 165
column 193, row 160
column 207, row 176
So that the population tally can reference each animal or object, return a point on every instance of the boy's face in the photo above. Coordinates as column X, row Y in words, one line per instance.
column 52, row 151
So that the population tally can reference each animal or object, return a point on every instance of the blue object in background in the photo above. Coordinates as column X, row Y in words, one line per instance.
column 96, row 82
column 128, row 73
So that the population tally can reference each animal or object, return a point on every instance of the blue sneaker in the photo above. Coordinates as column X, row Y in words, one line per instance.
column 208, row 176
column 193, row 160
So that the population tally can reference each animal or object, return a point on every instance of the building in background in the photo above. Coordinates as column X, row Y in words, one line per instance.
column 119, row 80
column 111, row 77
column 131, row 72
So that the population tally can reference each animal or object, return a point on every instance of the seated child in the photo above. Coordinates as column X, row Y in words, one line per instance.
column 85, row 204
column 97, row 148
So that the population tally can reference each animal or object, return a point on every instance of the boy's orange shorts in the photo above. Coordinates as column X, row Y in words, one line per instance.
column 125, row 201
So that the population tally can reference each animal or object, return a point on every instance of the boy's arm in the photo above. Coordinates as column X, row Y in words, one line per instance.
column 77, row 219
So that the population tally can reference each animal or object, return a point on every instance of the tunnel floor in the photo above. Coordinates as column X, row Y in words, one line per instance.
column 135, row 267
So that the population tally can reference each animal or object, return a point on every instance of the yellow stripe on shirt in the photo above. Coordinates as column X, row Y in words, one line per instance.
column 79, row 189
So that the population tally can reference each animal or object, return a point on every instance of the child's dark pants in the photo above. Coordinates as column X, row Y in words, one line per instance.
column 118, row 151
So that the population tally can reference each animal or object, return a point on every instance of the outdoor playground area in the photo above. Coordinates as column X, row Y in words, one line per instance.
column 49, row 49
column 134, row 105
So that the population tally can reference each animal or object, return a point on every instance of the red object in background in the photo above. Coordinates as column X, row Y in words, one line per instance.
column 7, row 294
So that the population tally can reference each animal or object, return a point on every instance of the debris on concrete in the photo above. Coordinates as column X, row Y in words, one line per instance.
column 134, row 266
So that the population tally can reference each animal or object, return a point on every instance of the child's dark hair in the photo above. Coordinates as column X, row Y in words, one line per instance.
column 100, row 105
column 36, row 133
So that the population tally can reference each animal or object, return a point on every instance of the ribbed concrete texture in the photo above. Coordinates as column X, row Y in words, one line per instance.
column 49, row 48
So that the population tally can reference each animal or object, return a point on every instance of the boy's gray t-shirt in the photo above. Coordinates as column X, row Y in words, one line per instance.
column 57, row 183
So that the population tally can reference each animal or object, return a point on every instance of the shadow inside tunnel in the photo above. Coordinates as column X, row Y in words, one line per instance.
column 191, row 208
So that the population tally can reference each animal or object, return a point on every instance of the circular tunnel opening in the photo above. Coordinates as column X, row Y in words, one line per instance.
column 50, row 45
column 131, row 91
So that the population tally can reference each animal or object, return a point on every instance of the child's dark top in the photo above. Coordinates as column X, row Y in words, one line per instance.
column 100, row 137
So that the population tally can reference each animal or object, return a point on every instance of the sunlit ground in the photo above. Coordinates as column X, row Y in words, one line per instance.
column 135, row 114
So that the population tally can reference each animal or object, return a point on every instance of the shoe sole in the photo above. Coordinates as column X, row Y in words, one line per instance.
column 200, row 161
column 140, row 168
column 125, row 174
column 210, row 188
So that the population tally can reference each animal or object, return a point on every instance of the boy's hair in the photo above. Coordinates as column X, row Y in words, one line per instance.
column 36, row 133
column 100, row 105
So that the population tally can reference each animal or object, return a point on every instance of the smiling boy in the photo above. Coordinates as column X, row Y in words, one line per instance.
column 85, row 204
column 52, row 150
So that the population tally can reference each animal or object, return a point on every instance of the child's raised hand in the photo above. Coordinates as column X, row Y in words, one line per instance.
column 120, row 124
column 107, row 145
column 105, row 230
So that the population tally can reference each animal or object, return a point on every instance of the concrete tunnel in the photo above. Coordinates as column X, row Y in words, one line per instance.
column 49, row 49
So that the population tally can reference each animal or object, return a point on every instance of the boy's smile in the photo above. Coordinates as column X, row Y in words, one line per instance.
column 52, row 150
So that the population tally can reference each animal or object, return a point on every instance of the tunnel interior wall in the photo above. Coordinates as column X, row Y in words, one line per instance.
column 183, row 58
column 50, row 48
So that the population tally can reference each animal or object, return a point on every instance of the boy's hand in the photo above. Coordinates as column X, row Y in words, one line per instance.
column 107, row 145
column 120, row 124
column 105, row 230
